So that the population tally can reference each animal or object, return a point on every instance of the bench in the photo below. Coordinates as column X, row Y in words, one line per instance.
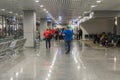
column 4, row 47
column 11, row 46
column 6, row 39
column 17, row 44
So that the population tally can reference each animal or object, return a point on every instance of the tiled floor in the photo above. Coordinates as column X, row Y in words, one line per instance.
column 83, row 63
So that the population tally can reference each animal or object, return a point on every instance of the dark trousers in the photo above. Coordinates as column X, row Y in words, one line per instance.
column 56, row 37
column 48, row 44
column 79, row 36
column 67, row 46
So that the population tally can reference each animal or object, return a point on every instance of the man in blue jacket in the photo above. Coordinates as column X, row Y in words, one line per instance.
column 67, row 38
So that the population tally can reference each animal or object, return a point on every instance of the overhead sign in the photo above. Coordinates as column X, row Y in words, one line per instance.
column 60, row 19
column 74, row 21
column 55, row 24
column 49, row 18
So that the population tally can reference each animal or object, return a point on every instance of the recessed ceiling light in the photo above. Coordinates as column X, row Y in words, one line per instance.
column 93, row 6
column 98, row 1
column 21, row 15
column 37, row 1
column 79, row 17
column 16, row 14
column 41, row 6
column 10, row 12
column 44, row 9
column 3, row 9
column 85, row 12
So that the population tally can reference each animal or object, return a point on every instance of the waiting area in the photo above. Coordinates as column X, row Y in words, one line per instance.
column 103, row 39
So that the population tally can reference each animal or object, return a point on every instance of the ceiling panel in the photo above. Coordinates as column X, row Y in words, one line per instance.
column 68, row 9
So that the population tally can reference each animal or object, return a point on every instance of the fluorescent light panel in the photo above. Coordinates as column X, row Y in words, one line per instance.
column 93, row 6
column 3, row 9
column 41, row 6
column 37, row 1
column 44, row 9
column 10, row 12
column 98, row 1
column 79, row 17
column 16, row 14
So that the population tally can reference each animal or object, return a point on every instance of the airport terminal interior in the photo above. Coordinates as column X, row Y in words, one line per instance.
column 94, row 45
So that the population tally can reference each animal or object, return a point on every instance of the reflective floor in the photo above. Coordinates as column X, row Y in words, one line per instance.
column 83, row 63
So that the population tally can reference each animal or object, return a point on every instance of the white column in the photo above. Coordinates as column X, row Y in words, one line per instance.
column 43, row 26
column 29, row 27
column 118, row 27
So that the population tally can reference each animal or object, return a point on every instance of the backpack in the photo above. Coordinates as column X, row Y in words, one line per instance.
column 50, row 36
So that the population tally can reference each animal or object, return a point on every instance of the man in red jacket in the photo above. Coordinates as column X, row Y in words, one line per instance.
column 53, row 32
column 47, row 34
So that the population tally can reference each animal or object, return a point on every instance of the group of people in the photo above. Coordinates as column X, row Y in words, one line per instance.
column 77, row 34
column 104, row 39
column 55, row 33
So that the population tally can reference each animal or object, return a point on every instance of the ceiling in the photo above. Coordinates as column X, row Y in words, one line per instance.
column 68, row 9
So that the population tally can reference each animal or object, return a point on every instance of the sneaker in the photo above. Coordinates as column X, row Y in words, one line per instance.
column 66, row 52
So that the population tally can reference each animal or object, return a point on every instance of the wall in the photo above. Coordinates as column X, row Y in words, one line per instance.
column 98, row 25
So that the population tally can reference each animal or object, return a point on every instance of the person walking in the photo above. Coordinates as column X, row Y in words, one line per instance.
column 53, row 32
column 79, row 34
column 67, row 38
column 47, row 35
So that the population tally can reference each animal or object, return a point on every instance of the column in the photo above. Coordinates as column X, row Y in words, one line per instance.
column 49, row 24
column 43, row 26
column 118, row 27
column 29, row 27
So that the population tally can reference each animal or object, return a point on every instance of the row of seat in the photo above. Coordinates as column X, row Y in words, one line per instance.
column 6, row 39
column 11, row 46
column 90, row 36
